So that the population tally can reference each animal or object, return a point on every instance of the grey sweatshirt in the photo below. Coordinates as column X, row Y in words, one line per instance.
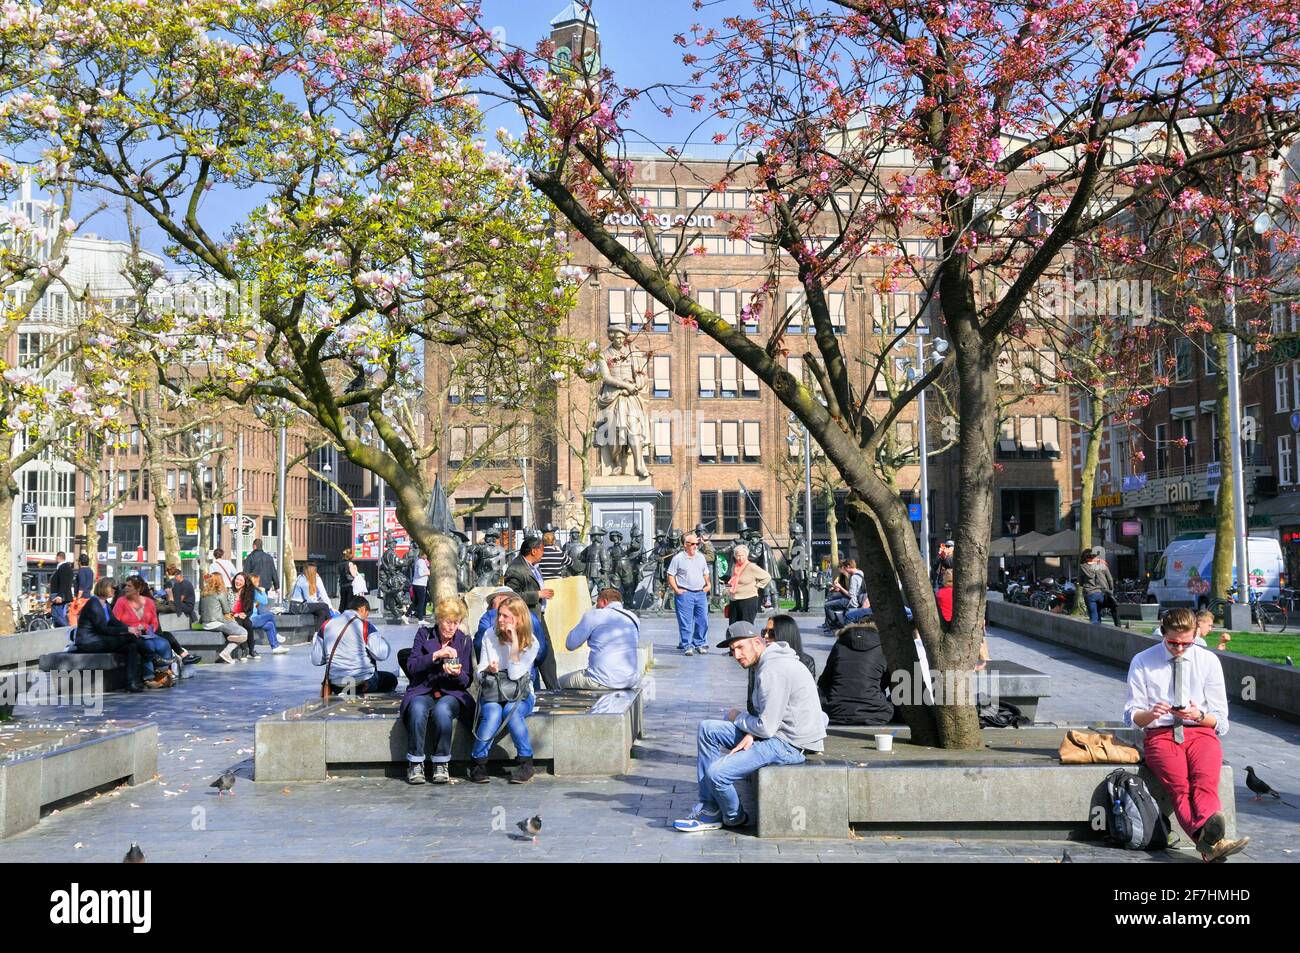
column 785, row 697
column 1096, row 577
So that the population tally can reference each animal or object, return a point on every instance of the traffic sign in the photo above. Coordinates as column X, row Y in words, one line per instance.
column 914, row 512
column 101, row 523
column 112, row 554
column 230, row 521
column 29, row 514
column 191, row 526
column 247, row 525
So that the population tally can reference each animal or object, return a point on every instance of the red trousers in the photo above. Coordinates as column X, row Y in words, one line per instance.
column 1189, row 771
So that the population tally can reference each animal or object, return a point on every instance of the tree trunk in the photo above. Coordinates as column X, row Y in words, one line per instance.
column 895, row 630
column 8, row 494
column 1088, row 483
column 1224, row 543
column 164, row 514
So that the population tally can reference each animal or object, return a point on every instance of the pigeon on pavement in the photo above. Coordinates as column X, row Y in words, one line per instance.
column 1259, row 787
column 134, row 855
column 1066, row 858
column 531, row 827
column 224, row 783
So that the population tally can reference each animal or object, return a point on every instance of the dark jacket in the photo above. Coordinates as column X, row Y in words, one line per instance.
column 85, row 581
column 1095, row 577
column 519, row 577
column 61, row 582
column 94, row 619
column 851, row 687
column 752, row 672
column 428, row 678
column 183, row 598
column 263, row 563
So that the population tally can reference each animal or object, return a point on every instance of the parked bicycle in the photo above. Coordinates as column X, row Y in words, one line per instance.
column 35, row 621
column 1265, row 613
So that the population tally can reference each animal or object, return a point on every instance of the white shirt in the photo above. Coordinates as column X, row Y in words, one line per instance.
column 1151, row 680
column 225, row 567
column 420, row 577
column 494, row 651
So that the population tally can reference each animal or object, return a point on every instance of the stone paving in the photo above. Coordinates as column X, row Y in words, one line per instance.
column 206, row 727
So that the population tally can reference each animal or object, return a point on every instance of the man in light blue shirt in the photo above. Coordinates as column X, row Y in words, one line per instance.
column 688, row 575
column 613, row 634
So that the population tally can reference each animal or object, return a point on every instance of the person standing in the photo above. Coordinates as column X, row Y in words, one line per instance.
column 688, row 576
column 942, row 562
column 523, row 577
column 748, row 580
column 61, row 584
column 1176, row 694
column 800, row 563
column 419, row 586
column 222, row 566
column 552, row 564
column 1098, row 586
column 261, row 564
column 85, row 577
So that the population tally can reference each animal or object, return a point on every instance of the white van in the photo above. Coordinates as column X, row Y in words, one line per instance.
column 1182, row 577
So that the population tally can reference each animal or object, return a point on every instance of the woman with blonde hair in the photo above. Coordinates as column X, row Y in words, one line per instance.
column 309, row 595
column 505, row 667
column 216, row 613
column 440, row 669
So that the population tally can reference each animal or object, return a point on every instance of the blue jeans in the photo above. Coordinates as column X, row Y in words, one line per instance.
column 443, row 713
column 490, row 720
column 854, row 616
column 60, row 612
column 266, row 621
column 692, row 619
column 719, row 771
column 156, row 652
column 1094, row 600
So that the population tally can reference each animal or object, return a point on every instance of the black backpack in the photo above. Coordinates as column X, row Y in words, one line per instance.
column 1134, row 820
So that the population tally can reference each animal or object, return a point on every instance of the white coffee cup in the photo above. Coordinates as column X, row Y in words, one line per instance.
column 884, row 742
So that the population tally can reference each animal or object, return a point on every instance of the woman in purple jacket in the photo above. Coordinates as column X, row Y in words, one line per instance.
column 440, row 669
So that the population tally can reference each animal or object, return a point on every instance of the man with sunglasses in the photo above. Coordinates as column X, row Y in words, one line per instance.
column 688, row 575
column 1176, row 694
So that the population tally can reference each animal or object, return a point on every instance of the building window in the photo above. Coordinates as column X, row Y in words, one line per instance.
column 750, row 448
column 663, row 449
column 748, row 382
column 662, row 374
column 663, row 513
column 1282, row 388
column 708, row 383
column 1285, row 475
column 709, row 510
column 754, row 508
column 731, row 511
column 708, row 441
column 728, row 376
column 1051, row 433
column 730, row 441
column 1162, row 449
column 1187, row 426
column 1183, row 360
column 456, row 453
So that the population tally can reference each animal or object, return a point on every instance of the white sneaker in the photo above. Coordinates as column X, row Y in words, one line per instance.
column 224, row 655
column 280, row 650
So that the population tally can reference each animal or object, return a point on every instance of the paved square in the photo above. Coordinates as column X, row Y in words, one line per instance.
column 206, row 727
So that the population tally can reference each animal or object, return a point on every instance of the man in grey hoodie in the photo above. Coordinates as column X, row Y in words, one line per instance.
column 789, row 723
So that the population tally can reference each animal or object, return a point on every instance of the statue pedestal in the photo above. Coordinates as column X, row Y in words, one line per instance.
column 625, row 504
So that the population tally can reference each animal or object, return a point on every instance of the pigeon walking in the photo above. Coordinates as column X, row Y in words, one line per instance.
column 224, row 783
column 1260, row 787
column 531, row 827
column 134, row 855
column 1066, row 858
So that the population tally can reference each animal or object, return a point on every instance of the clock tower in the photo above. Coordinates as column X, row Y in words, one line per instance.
column 577, row 42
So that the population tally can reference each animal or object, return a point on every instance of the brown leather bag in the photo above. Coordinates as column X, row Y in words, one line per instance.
column 1091, row 747
column 326, row 689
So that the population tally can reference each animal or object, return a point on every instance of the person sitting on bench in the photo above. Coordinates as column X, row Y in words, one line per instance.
column 1176, row 694
column 789, row 725
column 99, row 631
column 845, row 594
column 356, row 646
column 614, row 635
column 852, row 685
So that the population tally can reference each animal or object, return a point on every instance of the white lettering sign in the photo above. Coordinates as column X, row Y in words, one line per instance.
column 663, row 221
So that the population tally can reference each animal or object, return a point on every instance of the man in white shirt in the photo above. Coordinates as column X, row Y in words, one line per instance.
column 1176, row 694
column 688, row 575
column 222, row 566
column 614, row 634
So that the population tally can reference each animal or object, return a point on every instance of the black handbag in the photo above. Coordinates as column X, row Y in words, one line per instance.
column 500, row 688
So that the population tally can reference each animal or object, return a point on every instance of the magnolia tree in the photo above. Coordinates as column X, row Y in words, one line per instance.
column 864, row 130
column 384, row 223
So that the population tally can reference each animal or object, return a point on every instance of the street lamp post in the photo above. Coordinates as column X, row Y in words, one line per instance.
column 1013, row 527
column 940, row 348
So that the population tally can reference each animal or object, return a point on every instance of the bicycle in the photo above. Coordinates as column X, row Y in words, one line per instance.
column 35, row 621
column 1264, row 613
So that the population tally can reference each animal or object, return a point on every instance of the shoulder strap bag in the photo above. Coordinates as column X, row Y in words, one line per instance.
column 326, row 689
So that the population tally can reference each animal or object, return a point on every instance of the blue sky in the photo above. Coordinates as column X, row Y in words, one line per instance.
column 636, row 42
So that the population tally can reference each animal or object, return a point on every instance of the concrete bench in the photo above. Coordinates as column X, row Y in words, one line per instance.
column 1139, row 611
column 1015, row 787
column 581, row 734
column 20, row 655
column 41, row 766
column 112, row 666
column 292, row 629
column 1014, row 683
